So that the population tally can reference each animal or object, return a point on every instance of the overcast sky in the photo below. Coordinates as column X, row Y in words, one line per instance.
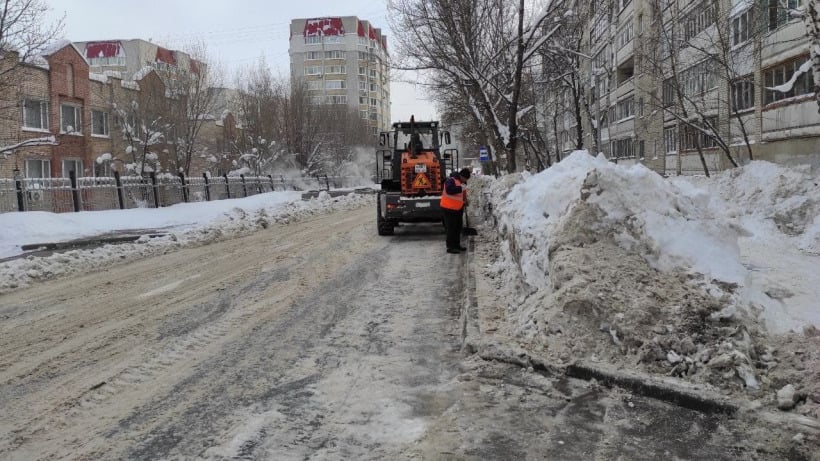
column 236, row 32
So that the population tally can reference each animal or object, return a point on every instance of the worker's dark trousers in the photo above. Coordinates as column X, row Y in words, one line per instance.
column 453, row 225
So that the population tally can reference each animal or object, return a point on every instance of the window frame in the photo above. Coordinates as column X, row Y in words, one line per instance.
column 78, row 166
column 805, row 80
column 43, row 107
column 105, row 121
column 743, row 87
column 78, row 115
column 45, row 167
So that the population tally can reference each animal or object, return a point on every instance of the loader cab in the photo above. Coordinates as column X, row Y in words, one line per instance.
column 412, row 138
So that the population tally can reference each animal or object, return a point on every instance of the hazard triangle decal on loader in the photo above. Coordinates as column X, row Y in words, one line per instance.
column 421, row 181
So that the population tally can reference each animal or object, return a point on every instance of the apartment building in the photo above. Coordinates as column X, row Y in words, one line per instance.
column 126, row 59
column 343, row 60
column 59, row 96
column 674, row 84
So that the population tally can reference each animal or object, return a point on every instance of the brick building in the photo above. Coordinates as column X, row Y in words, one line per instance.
column 85, row 113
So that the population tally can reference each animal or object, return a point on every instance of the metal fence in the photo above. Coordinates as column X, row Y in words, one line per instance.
column 61, row 195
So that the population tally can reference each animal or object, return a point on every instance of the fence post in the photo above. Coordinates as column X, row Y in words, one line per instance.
column 272, row 187
column 227, row 186
column 244, row 187
column 118, row 182
column 207, row 187
column 154, row 186
column 327, row 183
column 75, row 192
column 258, row 185
column 184, row 187
column 18, row 184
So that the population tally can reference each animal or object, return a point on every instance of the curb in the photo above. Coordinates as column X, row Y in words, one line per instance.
column 44, row 249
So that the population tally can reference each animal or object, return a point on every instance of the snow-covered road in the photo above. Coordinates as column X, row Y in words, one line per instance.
column 309, row 340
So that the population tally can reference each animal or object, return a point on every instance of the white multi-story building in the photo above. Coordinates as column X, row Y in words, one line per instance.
column 675, row 84
column 343, row 60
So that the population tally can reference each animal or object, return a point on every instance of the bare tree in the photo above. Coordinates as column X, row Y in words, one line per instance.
column 24, row 35
column 193, row 89
column 695, row 65
column 145, row 116
column 812, row 20
column 477, row 50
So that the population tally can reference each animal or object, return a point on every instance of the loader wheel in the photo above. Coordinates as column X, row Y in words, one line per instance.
column 384, row 226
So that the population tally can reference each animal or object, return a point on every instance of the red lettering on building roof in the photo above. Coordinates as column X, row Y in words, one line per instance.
column 324, row 26
column 166, row 56
column 103, row 50
column 360, row 29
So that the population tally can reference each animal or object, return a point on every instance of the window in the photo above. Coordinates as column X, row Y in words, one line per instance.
column 625, row 35
column 38, row 168
column 698, row 19
column 75, row 165
column 71, row 119
column 112, row 61
column 362, row 100
column 626, row 71
column 335, row 70
column 374, row 88
column 373, row 102
column 692, row 135
column 373, row 73
column 363, row 55
column 363, row 114
column 336, row 100
column 35, row 114
column 743, row 94
column 99, row 123
column 742, row 27
column 622, row 148
column 626, row 108
column 313, row 70
column 699, row 78
column 313, row 40
column 363, row 86
column 335, row 84
column 783, row 78
column 102, row 169
column 333, row 39
column 362, row 70
column 317, row 99
column 313, row 56
column 336, row 54
column 778, row 12
column 314, row 85
column 601, row 59
column 669, row 92
column 599, row 29
column 670, row 139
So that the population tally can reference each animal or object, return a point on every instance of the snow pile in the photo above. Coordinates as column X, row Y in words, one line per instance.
column 617, row 264
column 187, row 225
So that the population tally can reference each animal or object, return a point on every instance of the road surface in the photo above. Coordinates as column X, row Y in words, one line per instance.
column 308, row 341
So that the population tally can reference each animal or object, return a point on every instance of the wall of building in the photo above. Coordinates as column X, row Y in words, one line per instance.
column 786, row 131
column 364, row 48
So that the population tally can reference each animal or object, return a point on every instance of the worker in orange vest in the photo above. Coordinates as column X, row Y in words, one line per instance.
column 453, row 200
